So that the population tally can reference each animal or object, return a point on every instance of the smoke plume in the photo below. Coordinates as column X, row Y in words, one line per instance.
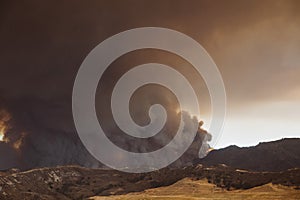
column 37, row 134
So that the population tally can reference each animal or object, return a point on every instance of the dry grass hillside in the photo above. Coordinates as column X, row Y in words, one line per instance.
column 202, row 190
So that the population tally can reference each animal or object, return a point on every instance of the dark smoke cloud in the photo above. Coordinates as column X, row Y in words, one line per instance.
column 45, row 133
column 48, row 139
column 44, row 42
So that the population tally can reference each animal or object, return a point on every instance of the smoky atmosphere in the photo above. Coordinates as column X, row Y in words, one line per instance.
column 81, row 95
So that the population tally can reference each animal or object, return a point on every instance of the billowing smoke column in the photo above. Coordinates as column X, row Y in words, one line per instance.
column 42, row 133
column 37, row 133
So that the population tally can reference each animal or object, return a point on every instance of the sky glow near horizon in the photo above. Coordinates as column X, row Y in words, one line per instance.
column 262, row 123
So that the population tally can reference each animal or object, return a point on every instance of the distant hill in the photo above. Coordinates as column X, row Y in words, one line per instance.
column 268, row 156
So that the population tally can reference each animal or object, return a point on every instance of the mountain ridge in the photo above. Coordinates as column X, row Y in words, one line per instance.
column 276, row 155
column 75, row 182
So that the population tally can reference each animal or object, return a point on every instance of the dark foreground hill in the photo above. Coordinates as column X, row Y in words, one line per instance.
column 269, row 156
column 72, row 182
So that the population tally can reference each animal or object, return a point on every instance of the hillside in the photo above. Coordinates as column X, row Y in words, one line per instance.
column 269, row 156
column 201, row 189
column 74, row 182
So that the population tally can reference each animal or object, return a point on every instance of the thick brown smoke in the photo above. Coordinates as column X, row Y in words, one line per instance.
column 42, row 47
column 38, row 135
column 43, row 44
column 34, row 141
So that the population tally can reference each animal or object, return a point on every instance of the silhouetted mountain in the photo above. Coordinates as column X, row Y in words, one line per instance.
column 268, row 156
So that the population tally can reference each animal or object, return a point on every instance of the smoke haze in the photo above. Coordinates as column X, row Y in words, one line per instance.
column 255, row 44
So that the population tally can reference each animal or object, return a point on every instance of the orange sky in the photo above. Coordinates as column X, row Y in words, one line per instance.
column 255, row 44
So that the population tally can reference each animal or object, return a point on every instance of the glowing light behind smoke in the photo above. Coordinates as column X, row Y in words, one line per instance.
column 4, row 126
column 4, row 118
column 1, row 135
column 262, row 122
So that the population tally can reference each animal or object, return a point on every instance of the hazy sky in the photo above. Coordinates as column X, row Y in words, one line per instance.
column 255, row 44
